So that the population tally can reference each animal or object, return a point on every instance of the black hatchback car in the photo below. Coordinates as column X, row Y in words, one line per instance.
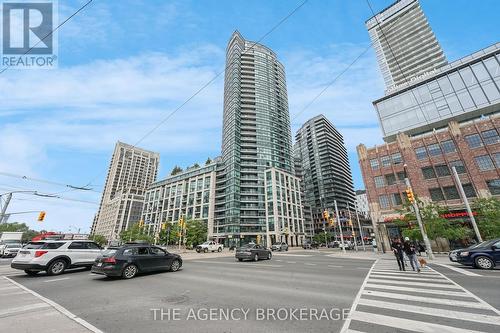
column 253, row 252
column 485, row 255
column 129, row 260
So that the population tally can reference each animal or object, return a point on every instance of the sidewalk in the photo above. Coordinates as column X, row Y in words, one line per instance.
column 22, row 310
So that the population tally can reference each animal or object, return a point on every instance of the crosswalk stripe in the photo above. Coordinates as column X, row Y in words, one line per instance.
column 436, row 279
column 443, row 301
column 406, row 273
column 476, row 317
column 419, row 290
column 353, row 331
column 407, row 324
column 403, row 272
column 420, row 284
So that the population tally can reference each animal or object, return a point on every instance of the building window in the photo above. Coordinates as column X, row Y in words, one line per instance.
column 390, row 179
column 469, row 190
column 474, row 141
column 496, row 157
column 484, row 163
column 383, row 201
column 401, row 176
column 385, row 160
column 459, row 166
column 428, row 172
column 450, row 192
column 421, row 153
column 442, row 170
column 396, row 199
column 379, row 181
column 494, row 186
column 490, row 137
column 436, row 194
column 434, row 149
column 374, row 164
column 396, row 158
column 448, row 146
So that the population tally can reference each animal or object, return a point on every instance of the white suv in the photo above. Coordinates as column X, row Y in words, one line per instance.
column 55, row 256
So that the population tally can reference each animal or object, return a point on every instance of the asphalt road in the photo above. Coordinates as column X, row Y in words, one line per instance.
column 318, row 286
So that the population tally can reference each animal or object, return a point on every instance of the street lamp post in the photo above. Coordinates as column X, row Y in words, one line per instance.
column 360, row 231
column 427, row 243
column 340, row 226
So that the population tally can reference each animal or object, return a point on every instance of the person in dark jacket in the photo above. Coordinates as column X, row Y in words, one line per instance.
column 411, row 251
column 397, row 248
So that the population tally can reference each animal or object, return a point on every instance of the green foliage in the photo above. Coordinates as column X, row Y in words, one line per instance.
column 135, row 233
column 488, row 217
column 99, row 239
column 320, row 237
column 170, row 235
column 176, row 170
column 196, row 232
column 209, row 160
column 28, row 233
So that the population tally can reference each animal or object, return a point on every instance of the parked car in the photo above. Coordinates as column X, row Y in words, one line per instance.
column 253, row 252
column 333, row 244
column 348, row 245
column 281, row 246
column 10, row 250
column 55, row 257
column 309, row 245
column 129, row 260
column 485, row 255
column 211, row 246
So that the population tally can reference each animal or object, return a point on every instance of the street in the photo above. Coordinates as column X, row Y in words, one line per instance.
column 218, row 294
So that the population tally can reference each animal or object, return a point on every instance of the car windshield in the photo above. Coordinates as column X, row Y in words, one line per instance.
column 109, row 252
column 34, row 245
column 483, row 244
column 206, row 243
column 13, row 245
column 248, row 246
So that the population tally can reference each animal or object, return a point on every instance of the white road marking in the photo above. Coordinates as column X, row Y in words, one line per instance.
column 59, row 308
column 23, row 308
column 407, row 324
column 476, row 317
column 291, row 262
column 243, row 264
column 443, row 301
column 392, row 272
column 309, row 264
column 334, row 266
column 420, row 284
column 415, row 277
column 293, row 255
column 459, row 270
column 418, row 290
column 60, row 279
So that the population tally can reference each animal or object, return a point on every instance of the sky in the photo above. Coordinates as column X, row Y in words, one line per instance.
column 125, row 65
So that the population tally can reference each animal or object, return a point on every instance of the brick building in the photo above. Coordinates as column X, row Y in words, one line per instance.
column 473, row 147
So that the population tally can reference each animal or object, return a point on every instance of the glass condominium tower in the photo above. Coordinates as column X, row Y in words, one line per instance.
column 256, row 136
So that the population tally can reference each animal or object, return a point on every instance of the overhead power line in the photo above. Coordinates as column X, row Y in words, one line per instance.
column 50, row 182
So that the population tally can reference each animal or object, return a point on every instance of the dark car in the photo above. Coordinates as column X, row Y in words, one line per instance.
column 485, row 255
column 129, row 260
column 309, row 245
column 253, row 252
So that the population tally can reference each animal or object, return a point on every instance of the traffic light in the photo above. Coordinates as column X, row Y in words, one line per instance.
column 163, row 226
column 409, row 195
column 41, row 216
column 350, row 222
column 141, row 223
column 181, row 222
column 332, row 222
column 326, row 215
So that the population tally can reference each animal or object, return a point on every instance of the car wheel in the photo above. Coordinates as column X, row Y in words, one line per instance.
column 205, row 250
column 56, row 267
column 256, row 257
column 239, row 259
column 30, row 272
column 175, row 266
column 484, row 262
column 269, row 256
column 219, row 249
column 286, row 249
column 198, row 250
column 130, row 271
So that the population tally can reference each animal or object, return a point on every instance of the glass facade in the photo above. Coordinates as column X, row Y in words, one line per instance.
column 465, row 89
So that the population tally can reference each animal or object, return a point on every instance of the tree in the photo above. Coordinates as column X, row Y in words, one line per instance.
column 488, row 217
column 135, row 233
column 208, row 161
column 28, row 233
column 320, row 237
column 170, row 235
column 196, row 232
column 176, row 170
column 99, row 239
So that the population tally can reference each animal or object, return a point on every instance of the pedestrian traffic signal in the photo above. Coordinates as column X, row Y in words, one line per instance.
column 326, row 215
column 409, row 195
column 41, row 216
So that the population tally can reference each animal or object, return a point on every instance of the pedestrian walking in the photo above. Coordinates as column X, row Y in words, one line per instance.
column 411, row 251
column 397, row 249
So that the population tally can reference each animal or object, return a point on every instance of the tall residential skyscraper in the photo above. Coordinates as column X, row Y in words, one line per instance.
column 256, row 136
column 325, row 169
column 404, row 43
column 131, row 171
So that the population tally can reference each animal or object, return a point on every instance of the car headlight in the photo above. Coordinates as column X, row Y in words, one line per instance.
column 464, row 254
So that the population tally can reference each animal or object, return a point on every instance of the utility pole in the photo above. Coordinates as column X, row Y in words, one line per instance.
column 340, row 226
column 467, row 206
column 360, row 231
column 427, row 243
column 352, row 229
column 4, row 207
